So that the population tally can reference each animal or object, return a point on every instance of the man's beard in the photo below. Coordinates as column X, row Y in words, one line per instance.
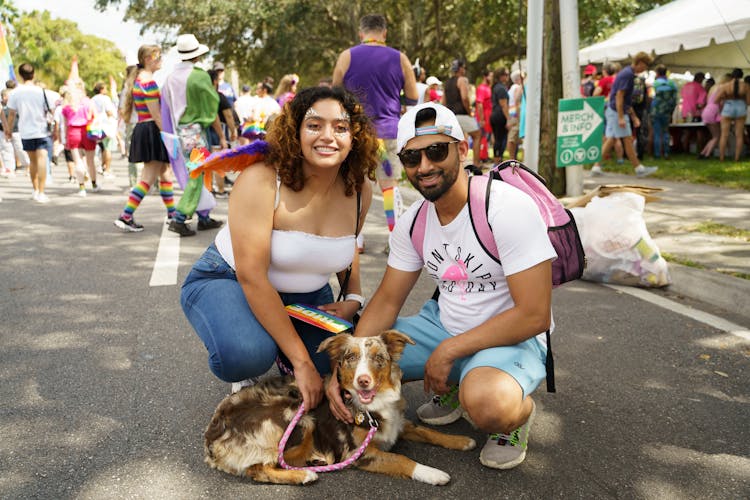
column 432, row 193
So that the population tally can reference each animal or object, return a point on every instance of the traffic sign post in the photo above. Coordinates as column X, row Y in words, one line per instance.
column 580, row 127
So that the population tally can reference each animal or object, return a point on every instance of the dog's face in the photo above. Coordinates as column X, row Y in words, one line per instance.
column 367, row 366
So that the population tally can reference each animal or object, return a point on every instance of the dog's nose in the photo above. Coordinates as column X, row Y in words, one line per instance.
column 364, row 381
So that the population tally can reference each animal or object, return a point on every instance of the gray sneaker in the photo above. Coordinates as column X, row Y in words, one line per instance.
column 641, row 171
column 248, row 382
column 505, row 451
column 441, row 410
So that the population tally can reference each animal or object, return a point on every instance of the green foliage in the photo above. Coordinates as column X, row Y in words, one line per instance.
column 8, row 13
column 50, row 44
column 274, row 37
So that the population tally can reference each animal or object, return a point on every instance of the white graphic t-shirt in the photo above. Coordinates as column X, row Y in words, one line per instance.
column 472, row 284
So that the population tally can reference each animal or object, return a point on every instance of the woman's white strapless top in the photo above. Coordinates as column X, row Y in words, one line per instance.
column 300, row 262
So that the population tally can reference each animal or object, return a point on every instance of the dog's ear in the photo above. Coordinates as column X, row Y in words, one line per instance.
column 395, row 341
column 334, row 345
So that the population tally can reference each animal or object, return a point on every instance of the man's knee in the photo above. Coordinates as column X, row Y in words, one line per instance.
column 495, row 403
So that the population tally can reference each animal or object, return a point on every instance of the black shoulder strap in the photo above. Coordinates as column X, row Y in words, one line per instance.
column 345, row 283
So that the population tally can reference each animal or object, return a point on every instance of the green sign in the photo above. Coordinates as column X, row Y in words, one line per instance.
column 580, row 127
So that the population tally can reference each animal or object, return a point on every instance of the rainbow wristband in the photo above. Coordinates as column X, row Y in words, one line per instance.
column 316, row 317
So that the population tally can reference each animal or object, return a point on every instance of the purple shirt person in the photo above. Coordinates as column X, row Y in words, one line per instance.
column 377, row 74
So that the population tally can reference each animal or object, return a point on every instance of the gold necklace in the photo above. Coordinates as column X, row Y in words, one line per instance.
column 372, row 40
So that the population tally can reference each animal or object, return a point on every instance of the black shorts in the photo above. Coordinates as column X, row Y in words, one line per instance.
column 146, row 144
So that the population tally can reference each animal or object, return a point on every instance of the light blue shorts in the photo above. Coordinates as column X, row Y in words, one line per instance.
column 613, row 128
column 734, row 108
column 524, row 362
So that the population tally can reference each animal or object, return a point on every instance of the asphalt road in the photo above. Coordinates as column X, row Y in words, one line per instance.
column 105, row 388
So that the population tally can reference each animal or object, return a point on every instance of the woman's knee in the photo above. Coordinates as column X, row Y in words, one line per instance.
column 232, row 363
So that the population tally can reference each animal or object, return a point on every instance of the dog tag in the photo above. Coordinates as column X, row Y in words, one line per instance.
column 359, row 418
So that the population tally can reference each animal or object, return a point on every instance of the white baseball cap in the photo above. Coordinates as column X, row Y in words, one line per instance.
column 432, row 80
column 445, row 123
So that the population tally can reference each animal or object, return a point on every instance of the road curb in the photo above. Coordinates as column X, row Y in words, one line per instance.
column 711, row 287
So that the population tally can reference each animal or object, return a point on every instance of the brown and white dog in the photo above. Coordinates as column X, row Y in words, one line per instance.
column 246, row 428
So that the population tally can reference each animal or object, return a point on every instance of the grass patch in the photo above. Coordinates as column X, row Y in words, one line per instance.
column 681, row 260
column 691, row 263
column 710, row 227
column 685, row 167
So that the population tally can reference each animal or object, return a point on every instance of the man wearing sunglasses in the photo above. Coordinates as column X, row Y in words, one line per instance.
column 480, row 344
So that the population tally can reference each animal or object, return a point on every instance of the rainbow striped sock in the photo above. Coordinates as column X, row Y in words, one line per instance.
column 390, row 214
column 136, row 196
column 383, row 157
column 167, row 196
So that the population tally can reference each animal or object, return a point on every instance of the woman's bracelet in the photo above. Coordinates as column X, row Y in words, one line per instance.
column 355, row 297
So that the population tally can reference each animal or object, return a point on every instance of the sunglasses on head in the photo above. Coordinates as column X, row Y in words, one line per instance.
column 435, row 152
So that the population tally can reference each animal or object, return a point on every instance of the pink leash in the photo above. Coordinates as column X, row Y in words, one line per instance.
column 324, row 468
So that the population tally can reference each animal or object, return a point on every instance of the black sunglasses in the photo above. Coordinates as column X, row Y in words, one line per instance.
column 435, row 152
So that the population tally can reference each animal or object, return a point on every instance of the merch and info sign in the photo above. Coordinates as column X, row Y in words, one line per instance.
column 580, row 127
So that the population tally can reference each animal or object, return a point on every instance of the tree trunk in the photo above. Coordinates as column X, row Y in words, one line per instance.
column 552, row 92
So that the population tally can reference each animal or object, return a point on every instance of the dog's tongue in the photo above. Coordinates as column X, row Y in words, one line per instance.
column 366, row 396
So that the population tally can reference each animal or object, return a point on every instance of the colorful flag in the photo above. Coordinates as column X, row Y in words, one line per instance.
column 6, row 63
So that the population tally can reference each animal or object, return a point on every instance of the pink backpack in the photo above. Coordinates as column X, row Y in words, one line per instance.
column 561, row 227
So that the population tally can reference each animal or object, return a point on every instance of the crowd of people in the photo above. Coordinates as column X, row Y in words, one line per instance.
column 295, row 217
column 653, row 101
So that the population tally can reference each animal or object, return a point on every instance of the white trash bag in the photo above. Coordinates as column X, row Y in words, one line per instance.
column 618, row 248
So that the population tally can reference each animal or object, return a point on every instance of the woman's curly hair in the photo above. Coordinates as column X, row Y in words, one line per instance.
column 283, row 137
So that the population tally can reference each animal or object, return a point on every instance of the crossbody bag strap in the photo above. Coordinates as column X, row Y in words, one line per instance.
column 46, row 103
column 345, row 284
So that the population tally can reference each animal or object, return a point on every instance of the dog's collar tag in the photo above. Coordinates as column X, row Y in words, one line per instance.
column 359, row 418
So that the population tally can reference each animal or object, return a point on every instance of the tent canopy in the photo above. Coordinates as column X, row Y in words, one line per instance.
column 683, row 34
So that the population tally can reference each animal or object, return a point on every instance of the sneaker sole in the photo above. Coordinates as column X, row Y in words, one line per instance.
column 445, row 419
column 512, row 463
column 124, row 227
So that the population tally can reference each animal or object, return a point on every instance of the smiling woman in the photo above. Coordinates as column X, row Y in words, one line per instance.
column 293, row 219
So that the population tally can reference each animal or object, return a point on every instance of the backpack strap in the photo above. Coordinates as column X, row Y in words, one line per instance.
column 479, row 202
column 417, row 230
column 549, row 365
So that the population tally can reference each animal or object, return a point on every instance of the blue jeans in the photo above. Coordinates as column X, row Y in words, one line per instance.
column 660, row 123
column 238, row 345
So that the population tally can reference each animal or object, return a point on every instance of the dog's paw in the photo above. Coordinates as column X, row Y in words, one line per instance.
column 310, row 476
column 430, row 475
column 470, row 444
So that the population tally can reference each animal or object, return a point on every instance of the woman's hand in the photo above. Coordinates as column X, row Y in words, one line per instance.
column 310, row 384
column 335, row 402
column 345, row 309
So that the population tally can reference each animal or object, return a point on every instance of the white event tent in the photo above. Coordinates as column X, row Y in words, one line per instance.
column 694, row 35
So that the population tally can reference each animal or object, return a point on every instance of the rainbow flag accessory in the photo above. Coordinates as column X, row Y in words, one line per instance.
column 253, row 130
column 232, row 160
column 316, row 317
column 6, row 63
column 388, row 207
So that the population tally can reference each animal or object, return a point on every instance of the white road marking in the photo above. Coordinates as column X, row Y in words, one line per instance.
column 167, row 259
column 703, row 317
